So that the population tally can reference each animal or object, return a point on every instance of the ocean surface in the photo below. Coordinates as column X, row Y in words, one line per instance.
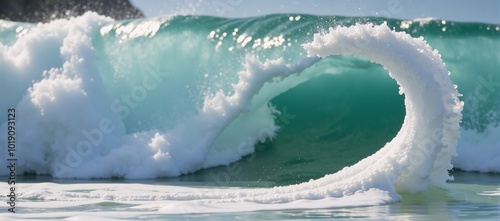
column 276, row 117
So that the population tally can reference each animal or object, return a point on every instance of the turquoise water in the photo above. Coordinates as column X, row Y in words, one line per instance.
column 345, row 109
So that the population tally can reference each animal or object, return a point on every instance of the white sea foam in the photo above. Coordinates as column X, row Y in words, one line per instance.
column 64, row 106
column 479, row 151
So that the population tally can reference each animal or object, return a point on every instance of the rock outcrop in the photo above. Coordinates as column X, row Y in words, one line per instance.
column 46, row 10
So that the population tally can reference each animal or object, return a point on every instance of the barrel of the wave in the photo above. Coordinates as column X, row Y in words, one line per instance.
column 421, row 152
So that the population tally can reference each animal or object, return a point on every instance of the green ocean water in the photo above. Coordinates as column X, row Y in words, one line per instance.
column 333, row 121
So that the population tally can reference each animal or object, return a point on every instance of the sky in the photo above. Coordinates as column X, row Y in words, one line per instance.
column 486, row 11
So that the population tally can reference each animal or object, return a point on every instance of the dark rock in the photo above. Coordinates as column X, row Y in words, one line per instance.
column 46, row 10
